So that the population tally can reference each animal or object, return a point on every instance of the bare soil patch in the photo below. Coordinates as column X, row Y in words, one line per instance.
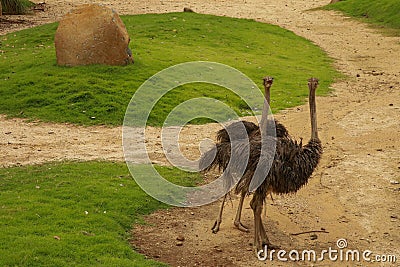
column 353, row 193
column 9, row 23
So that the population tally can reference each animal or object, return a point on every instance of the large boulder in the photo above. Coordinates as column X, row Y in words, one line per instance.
column 92, row 34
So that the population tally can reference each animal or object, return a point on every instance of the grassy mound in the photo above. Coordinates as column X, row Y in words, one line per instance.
column 383, row 13
column 74, row 214
column 33, row 86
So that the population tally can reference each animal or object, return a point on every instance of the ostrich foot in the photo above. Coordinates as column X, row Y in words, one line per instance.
column 270, row 246
column 262, row 244
column 265, row 249
column 241, row 227
column 215, row 227
column 263, row 241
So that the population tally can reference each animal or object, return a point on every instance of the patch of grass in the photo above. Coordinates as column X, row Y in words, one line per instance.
column 384, row 13
column 90, row 206
column 33, row 86
column 16, row 7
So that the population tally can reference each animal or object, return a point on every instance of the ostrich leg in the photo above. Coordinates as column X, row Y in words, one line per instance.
column 260, row 236
column 218, row 221
column 237, row 222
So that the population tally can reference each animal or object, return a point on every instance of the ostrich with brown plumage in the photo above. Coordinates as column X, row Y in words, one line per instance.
column 232, row 133
column 282, row 171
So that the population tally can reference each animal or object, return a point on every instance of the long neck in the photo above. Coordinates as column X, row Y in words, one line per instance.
column 313, row 115
column 264, row 116
column 267, row 96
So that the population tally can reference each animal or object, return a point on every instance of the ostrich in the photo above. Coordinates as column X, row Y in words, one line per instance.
column 292, row 165
column 235, row 132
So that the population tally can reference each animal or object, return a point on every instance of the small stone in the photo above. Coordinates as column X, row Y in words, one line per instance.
column 343, row 219
column 391, row 105
column 179, row 244
column 187, row 9
column 358, row 75
column 180, row 238
column 56, row 237
column 313, row 237
column 394, row 216
column 394, row 182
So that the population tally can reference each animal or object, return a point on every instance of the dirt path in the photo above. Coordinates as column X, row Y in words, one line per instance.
column 359, row 125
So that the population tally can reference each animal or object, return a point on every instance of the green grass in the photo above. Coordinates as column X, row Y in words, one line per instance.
column 90, row 206
column 384, row 13
column 16, row 7
column 33, row 86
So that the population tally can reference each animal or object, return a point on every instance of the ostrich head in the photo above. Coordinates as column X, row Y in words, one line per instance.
column 267, row 82
column 312, row 86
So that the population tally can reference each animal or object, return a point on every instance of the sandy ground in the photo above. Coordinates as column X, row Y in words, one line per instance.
column 353, row 194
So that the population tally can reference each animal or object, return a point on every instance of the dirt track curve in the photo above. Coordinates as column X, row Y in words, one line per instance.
column 353, row 194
